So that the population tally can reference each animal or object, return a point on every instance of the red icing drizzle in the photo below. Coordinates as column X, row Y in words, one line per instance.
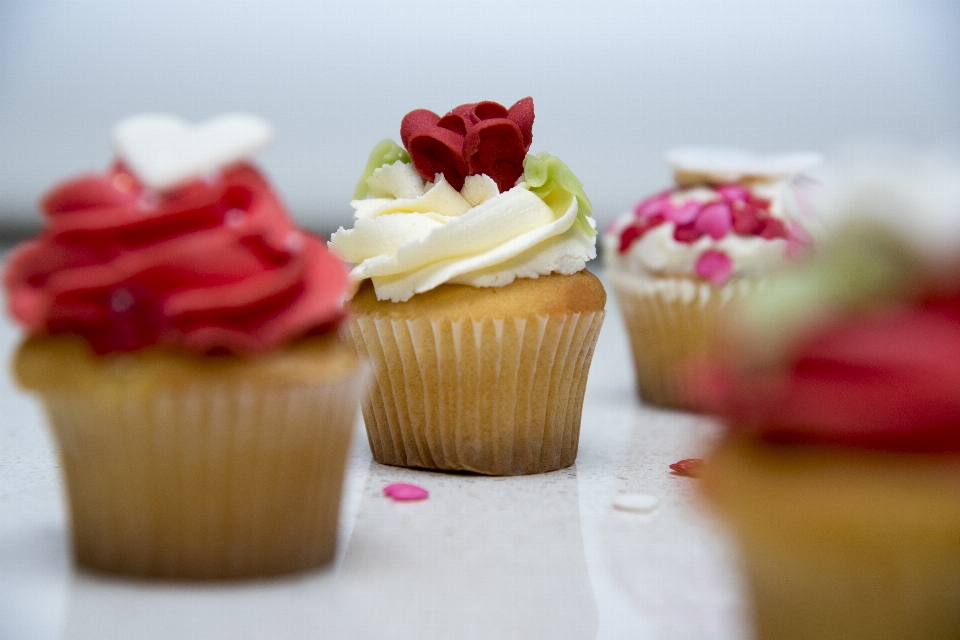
column 472, row 139
column 887, row 381
column 214, row 266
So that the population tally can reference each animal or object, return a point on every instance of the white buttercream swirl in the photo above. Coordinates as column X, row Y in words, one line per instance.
column 477, row 236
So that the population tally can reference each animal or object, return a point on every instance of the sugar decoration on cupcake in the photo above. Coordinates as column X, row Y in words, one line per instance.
column 165, row 151
column 482, row 138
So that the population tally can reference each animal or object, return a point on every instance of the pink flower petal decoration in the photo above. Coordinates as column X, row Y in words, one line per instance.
column 716, row 266
column 715, row 219
column 403, row 492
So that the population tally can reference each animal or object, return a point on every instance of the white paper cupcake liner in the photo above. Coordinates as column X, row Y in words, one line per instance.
column 500, row 396
column 205, row 480
column 843, row 543
column 671, row 323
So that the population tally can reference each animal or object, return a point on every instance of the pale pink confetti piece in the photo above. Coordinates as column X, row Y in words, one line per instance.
column 683, row 213
column 714, row 265
column 799, row 242
column 715, row 219
column 403, row 492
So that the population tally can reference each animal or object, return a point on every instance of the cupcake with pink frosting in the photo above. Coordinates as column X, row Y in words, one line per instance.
column 680, row 261
column 182, row 335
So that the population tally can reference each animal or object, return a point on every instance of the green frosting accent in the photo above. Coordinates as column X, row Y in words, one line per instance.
column 554, row 183
column 383, row 153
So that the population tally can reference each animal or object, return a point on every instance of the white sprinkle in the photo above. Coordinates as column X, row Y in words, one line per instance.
column 635, row 502
column 121, row 300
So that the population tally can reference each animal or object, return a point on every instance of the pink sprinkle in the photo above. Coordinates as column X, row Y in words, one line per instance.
column 403, row 492
column 684, row 213
column 715, row 219
column 714, row 265
column 746, row 219
column 687, row 233
column 773, row 228
column 627, row 237
column 655, row 205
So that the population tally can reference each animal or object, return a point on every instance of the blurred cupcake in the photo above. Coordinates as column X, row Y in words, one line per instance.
column 182, row 337
column 682, row 259
column 474, row 305
column 840, row 474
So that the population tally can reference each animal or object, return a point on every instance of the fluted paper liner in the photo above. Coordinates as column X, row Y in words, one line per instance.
column 499, row 396
column 672, row 322
column 206, row 480
column 840, row 544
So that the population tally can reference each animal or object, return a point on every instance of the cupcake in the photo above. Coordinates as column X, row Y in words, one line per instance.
column 681, row 260
column 474, row 305
column 840, row 470
column 182, row 336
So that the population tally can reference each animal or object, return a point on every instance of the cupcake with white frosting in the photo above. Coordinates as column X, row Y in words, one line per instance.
column 681, row 260
column 474, row 304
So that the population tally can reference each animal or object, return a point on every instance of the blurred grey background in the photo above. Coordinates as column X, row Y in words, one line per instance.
column 615, row 82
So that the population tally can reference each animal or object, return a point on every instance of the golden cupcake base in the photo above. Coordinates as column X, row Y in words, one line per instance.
column 199, row 468
column 843, row 544
column 488, row 380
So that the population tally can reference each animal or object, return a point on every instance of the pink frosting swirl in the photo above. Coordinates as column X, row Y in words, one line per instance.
column 214, row 266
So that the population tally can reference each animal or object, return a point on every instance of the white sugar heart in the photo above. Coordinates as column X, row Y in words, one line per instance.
column 164, row 151
column 733, row 164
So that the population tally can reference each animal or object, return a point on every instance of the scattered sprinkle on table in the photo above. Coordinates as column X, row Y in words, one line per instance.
column 690, row 467
column 635, row 502
column 404, row 492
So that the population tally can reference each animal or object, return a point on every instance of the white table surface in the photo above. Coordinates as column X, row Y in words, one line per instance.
column 530, row 557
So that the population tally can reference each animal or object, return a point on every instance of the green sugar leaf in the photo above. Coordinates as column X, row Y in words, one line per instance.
column 553, row 181
column 384, row 152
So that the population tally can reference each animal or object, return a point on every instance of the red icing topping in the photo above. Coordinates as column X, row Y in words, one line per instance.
column 214, row 266
column 472, row 139
column 888, row 381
